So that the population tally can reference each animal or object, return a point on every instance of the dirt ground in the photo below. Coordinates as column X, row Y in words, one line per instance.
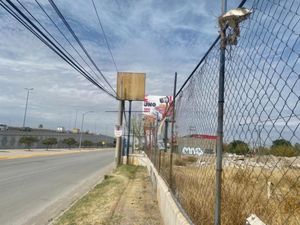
column 126, row 197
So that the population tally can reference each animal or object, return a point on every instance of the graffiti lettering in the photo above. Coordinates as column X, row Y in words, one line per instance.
column 192, row 151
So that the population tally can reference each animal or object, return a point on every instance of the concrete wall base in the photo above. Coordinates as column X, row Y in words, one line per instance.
column 170, row 211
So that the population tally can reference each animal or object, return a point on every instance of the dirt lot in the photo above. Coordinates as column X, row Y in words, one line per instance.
column 125, row 197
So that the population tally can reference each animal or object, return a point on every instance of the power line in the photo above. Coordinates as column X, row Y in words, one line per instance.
column 61, row 32
column 78, row 41
column 41, row 36
column 52, row 37
column 105, row 38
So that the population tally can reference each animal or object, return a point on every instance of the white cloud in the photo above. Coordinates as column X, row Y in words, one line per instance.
column 156, row 37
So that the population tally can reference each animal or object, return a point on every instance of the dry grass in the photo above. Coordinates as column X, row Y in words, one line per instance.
column 125, row 197
column 244, row 191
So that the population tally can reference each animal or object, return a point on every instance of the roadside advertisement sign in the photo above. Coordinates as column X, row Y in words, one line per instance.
column 156, row 106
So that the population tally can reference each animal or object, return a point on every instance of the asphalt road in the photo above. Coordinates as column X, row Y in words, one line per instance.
column 34, row 190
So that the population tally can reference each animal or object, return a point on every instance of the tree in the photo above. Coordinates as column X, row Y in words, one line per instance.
column 138, row 129
column 49, row 142
column 28, row 141
column 87, row 143
column 41, row 126
column 238, row 147
column 69, row 141
column 281, row 142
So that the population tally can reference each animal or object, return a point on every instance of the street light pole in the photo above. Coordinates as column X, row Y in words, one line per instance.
column 81, row 129
column 28, row 90
column 75, row 125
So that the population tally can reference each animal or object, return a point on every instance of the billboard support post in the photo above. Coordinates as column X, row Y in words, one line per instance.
column 129, row 126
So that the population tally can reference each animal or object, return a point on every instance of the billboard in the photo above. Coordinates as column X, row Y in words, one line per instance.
column 131, row 86
column 155, row 106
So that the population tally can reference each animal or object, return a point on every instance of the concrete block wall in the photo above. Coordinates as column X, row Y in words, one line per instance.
column 10, row 139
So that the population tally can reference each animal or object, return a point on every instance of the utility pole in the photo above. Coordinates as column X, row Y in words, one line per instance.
column 75, row 125
column 118, row 153
column 129, row 125
column 217, row 220
column 28, row 90
column 81, row 130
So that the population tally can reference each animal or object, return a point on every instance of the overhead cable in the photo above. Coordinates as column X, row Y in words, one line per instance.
column 26, row 22
column 65, row 37
column 78, row 41
column 105, row 38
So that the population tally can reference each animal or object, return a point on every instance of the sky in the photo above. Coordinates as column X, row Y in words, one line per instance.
column 157, row 37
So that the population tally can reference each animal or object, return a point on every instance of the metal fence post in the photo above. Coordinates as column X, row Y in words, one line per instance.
column 218, row 190
column 172, row 131
column 156, row 139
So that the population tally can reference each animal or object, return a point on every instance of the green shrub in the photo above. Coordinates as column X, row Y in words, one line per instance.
column 49, row 142
column 238, row 147
column 281, row 142
column 284, row 151
column 28, row 141
column 69, row 141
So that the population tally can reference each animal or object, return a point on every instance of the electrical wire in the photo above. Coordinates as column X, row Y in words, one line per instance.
column 53, row 38
column 27, row 23
column 65, row 37
column 203, row 58
column 105, row 37
column 78, row 41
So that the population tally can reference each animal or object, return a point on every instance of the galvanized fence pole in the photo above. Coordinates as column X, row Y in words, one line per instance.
column 172, row 131
column 218, row 190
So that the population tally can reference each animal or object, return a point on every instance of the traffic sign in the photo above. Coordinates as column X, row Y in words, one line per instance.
column 118, row 131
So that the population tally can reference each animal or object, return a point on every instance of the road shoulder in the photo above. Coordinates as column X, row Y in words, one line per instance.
column 125, row 197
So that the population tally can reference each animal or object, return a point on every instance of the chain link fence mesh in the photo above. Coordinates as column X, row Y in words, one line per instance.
column 261, row 163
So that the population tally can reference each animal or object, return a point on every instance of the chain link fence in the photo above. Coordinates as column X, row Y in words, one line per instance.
column 260, row 159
